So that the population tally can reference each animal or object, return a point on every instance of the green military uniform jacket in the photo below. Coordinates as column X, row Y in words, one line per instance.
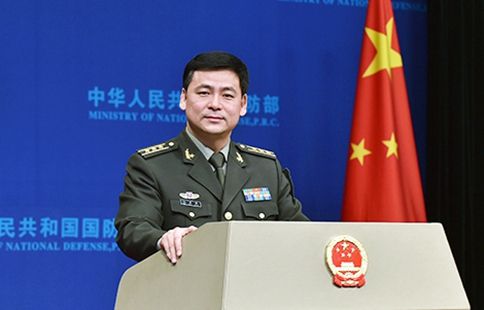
column 172, row 184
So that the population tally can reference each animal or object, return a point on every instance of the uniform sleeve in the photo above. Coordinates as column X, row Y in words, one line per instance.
column 139, row 219
column 290, row 208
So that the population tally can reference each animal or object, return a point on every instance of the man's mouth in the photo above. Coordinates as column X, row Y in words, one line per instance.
column 214, row 117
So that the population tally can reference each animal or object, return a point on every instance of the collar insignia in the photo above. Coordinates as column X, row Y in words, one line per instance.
column 239, row 158
column 189, row 155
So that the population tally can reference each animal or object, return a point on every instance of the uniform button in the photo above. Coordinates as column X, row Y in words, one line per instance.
column 191, row 214
column 228, row 216
column 262, row 215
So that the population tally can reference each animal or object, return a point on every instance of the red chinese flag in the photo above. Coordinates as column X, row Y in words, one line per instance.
column 382, row 177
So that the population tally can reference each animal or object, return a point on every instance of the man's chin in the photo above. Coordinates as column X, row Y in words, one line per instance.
column 209, row 131
column 215, row 133
column 215, row 129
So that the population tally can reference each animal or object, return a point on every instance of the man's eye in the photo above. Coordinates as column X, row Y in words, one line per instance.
column 202, row 93
column 229, row 96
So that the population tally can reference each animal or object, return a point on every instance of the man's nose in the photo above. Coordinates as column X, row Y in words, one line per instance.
column 215, row 103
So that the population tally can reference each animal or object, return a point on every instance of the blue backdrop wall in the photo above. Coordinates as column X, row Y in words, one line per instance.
column 83, row 84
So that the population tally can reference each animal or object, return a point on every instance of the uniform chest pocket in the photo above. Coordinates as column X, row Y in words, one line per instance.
column 192, row 209
column 261, row 210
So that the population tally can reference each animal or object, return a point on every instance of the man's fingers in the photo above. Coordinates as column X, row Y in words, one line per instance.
column 172, row 245
column 169, row 246
column 190, row 229
column 171, row 242
column 178, row 243
column 179, row 233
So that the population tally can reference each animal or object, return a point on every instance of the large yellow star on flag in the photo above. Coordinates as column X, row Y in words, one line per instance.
column 392, row 146
column 386, row 57
column 359, row 151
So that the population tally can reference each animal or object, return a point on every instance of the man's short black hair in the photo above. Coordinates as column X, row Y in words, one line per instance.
column 217, row 61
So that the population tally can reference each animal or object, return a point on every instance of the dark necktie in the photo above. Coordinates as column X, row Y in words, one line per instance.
column 217, row 160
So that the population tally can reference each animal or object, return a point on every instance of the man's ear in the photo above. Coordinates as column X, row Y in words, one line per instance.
column 243, row 109
column 183, row 99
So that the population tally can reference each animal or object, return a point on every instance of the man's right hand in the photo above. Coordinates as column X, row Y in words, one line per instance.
column 171, row 242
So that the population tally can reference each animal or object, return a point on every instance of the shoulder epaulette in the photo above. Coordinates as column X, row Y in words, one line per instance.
column 157, row 149
column 256, row 151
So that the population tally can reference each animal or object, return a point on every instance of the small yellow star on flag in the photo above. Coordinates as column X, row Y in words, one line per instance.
column 392, row 146
column 386, row 57
column 359, row 151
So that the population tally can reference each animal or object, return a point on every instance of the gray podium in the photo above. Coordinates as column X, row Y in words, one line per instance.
column 281, row 265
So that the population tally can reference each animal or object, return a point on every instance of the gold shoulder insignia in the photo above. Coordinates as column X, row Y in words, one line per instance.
column 157, row 149
column 256, row 151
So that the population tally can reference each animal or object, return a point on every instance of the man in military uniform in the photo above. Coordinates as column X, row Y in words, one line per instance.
column 202, row 176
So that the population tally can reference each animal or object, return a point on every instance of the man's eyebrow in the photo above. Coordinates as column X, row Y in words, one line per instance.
column 204, row 86
column 230, row 88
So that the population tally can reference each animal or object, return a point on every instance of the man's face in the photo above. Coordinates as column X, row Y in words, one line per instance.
column 213, row 103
